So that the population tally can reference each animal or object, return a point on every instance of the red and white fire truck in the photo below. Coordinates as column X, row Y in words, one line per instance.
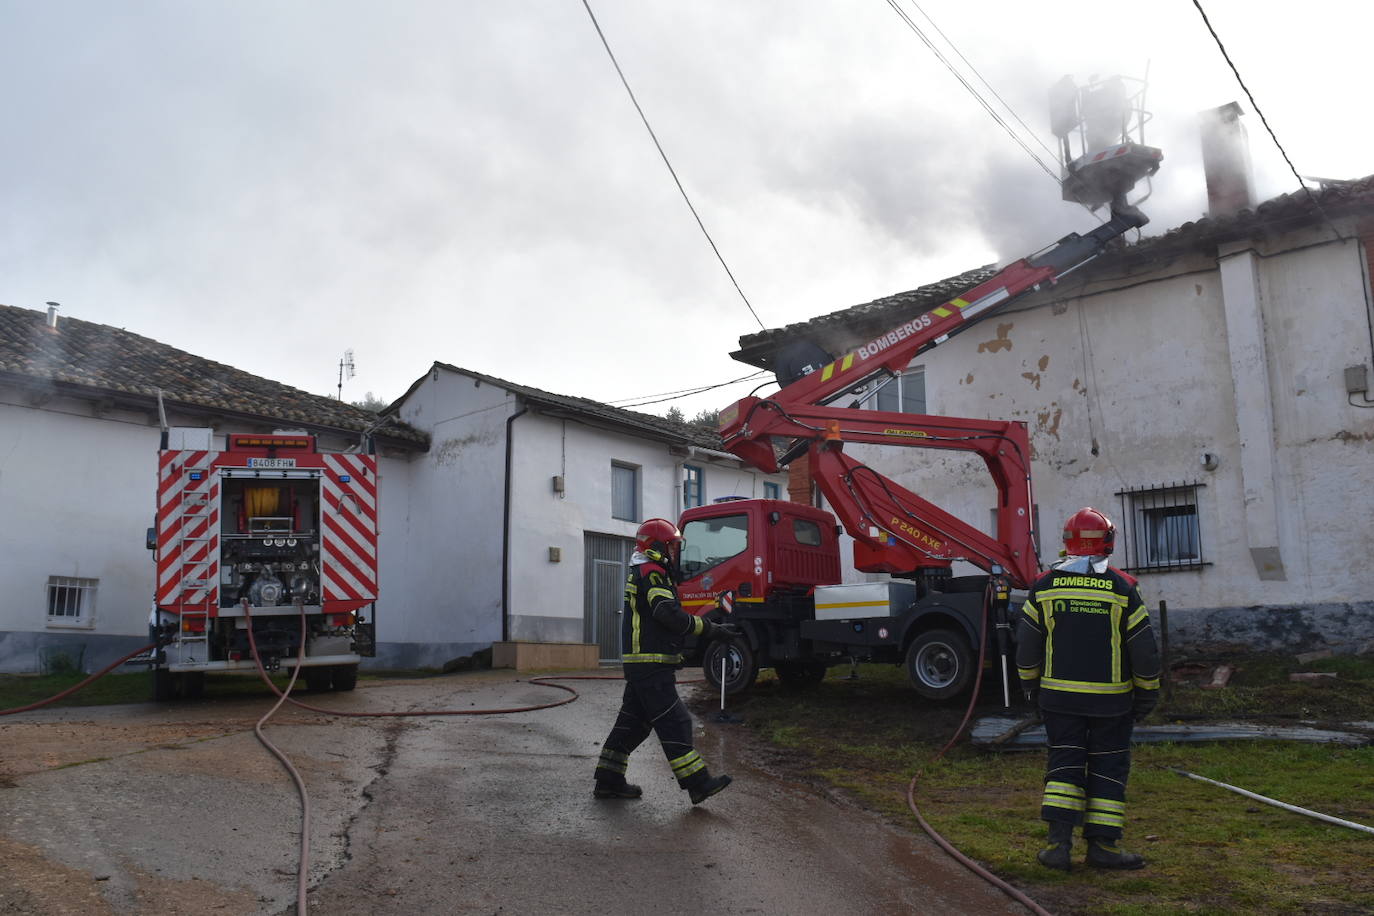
column 260, row 533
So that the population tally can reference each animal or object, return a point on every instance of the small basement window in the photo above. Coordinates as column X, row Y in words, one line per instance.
column 71, row 601
column 1160, row 529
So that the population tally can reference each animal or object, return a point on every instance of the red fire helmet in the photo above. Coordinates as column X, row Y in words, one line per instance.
column 659, row 540
column 1089, row 532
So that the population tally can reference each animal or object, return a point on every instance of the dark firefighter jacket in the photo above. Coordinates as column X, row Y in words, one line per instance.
column 1086, row 638
column 653, row 625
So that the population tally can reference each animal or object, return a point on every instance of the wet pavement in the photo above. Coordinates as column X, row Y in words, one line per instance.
column 448, row 815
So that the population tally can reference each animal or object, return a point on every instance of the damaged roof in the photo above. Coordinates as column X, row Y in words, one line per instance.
column 596, row 413
column 85, row 359
column 849, row 327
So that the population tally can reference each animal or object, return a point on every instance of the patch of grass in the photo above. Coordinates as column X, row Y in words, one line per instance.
column 1209, row 850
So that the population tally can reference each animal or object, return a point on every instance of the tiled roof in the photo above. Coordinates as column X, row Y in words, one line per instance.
column 849, row 326
column 653, row 426
column 857, row 321
column 97, row 360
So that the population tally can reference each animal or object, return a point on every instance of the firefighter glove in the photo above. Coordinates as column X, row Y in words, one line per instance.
column 1144, row 704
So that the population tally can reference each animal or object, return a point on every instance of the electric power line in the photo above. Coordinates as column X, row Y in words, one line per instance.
column 911, row 24
column 1263, row 120
column 671, row 171
column 686, row 392
column 995, row 94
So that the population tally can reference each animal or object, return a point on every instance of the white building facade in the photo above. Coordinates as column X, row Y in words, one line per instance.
column 519, row 522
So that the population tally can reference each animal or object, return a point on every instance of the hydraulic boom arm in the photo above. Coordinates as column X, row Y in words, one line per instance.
column 895, row 530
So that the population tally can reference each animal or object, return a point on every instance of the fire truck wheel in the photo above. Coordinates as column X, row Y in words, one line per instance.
column 800, row 674
column 741, row 668
column 318, row 680
column 345, row 677
column 940, row 664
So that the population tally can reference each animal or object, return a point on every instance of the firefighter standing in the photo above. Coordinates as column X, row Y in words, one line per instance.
column 1085, row 646
column 652, row 630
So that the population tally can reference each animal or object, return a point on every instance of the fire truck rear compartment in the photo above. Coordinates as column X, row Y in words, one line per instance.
column 270, row 542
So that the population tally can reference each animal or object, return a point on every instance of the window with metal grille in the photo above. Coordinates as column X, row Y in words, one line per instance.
column 71, row 601
column 624, row 492
column 693, row 486
column 1161, row 528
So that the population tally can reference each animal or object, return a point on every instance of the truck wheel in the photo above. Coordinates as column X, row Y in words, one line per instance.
column 740, row 666
column 940, row 664
column 806, row 673
column 344, row 677
column 318, row 680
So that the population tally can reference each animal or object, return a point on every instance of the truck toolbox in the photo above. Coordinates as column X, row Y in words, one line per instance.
column 863, row 599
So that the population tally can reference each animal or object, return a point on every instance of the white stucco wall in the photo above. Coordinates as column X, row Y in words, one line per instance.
column 441, row 562
column 76, row 498
column 444, row 565
column 1143, row 368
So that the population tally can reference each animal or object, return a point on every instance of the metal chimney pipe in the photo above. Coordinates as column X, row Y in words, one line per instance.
column 1226, row 161
column 52, row 314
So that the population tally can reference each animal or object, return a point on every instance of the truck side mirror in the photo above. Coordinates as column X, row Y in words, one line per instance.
column 151, row 541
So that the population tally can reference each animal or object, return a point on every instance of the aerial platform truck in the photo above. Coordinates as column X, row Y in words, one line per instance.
column 775, row 565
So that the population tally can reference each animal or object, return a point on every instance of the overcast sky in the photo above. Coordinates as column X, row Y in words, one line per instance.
column 269, row 184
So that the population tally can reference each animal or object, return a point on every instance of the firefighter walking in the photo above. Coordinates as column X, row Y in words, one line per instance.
column 1086, row 652
column 651, row 635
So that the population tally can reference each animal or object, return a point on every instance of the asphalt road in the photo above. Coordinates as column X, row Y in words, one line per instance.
column 190, row 815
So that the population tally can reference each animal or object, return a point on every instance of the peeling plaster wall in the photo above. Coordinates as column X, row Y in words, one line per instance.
column 1128, row 387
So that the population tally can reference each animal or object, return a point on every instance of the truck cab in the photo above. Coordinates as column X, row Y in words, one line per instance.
column 772, row 569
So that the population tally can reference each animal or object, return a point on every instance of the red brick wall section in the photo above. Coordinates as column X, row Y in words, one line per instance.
column 799, row 481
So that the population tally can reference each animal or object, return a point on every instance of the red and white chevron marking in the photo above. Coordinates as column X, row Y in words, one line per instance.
column 348, row 519
column 187, row 531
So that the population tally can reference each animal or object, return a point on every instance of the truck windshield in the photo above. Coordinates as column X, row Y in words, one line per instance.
column 709, row 542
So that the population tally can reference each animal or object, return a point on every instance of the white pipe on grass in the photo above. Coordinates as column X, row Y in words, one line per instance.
column 1277, row 804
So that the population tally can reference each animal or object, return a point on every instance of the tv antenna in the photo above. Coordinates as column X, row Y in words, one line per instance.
column 345, row 365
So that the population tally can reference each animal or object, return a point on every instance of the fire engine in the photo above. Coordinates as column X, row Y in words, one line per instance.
column 775, row 565
column 258, row 534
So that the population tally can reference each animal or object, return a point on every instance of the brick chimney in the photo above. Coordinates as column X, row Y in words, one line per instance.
column 1226, row 160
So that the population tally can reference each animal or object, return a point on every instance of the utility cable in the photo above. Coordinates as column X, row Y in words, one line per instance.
column 1265, row 121
column 911, row 24
column 671, row 171
column 681, row 393
column 969, row 64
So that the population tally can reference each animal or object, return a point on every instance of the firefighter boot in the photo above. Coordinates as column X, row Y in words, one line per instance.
column 1104, row 853
column 1056, row 855
column 621, row 789
column 707, row 787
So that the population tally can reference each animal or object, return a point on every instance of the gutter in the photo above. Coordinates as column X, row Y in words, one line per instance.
column 505, row 524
